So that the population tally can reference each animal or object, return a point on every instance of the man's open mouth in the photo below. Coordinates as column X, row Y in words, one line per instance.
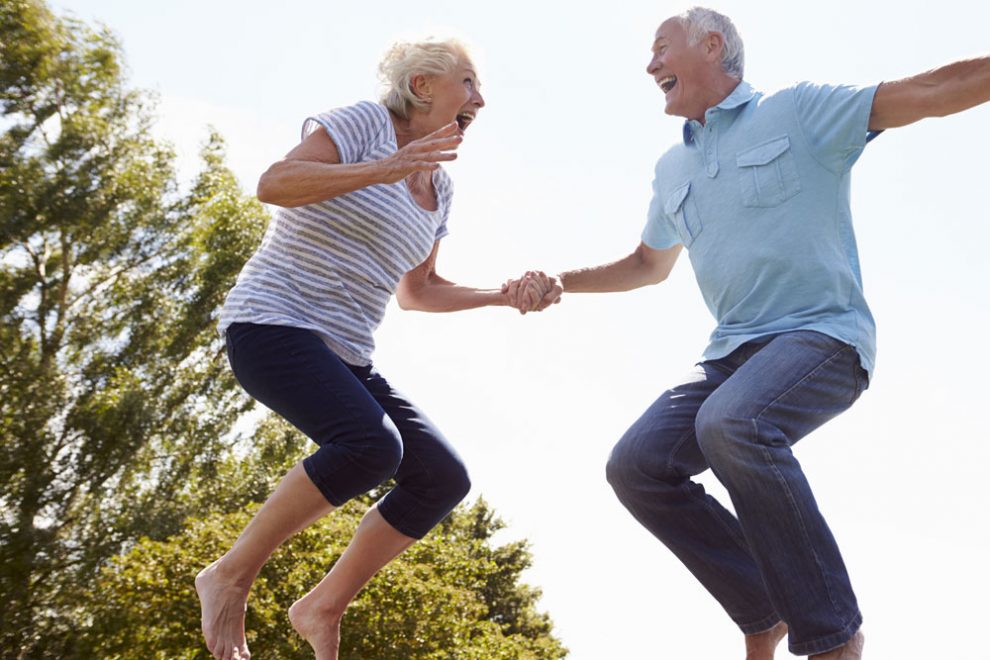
column 666, row 84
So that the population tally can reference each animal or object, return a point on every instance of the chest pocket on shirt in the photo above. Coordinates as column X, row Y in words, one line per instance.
column 767, row 173
column 679, row 205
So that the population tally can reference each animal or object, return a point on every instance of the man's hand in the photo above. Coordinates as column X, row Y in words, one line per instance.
column 533, row 292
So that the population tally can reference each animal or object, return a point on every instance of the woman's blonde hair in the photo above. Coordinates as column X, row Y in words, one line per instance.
column 407, row 59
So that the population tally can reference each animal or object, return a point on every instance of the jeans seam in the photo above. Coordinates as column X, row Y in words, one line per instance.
column 821, row 365
column 768, row 456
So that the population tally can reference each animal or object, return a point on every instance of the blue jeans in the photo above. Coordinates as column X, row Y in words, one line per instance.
column 739, row 416
column 367, row 431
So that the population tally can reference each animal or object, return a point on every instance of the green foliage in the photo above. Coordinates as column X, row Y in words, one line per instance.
column 452, row 595
column 112, row 397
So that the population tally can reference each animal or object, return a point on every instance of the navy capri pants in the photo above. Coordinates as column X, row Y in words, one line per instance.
column 367, row 431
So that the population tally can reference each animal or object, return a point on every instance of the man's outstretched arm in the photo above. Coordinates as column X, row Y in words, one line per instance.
column 937, row 93
column 644, row 266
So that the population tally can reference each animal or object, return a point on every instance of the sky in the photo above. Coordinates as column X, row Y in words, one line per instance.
column 555, row 174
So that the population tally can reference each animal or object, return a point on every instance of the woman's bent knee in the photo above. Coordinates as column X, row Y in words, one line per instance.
column 454, row 482
column 345, row 469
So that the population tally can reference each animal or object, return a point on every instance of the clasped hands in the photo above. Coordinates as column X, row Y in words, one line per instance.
column 533, row 292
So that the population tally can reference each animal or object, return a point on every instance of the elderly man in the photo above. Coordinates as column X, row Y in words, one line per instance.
column 758, row 193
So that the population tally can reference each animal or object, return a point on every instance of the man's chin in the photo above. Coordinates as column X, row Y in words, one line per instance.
column 673, row 110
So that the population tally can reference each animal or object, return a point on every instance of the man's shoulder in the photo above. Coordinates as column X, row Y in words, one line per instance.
column 775, row 97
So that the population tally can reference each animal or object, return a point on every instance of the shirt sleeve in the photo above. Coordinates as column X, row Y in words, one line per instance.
column 660, row 232
column 354, row 129
column 835, row 120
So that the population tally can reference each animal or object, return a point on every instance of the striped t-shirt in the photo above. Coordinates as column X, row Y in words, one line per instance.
column 331, row 267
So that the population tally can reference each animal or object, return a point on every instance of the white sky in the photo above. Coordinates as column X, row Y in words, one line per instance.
column 556, row 174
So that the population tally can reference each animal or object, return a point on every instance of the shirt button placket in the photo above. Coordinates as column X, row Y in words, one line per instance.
column 711, row 149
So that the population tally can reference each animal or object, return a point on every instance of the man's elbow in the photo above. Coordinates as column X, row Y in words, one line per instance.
column 659, row 276
column 654, row 273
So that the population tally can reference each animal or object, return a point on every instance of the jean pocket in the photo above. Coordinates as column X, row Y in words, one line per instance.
column 768, row 175
column 680, row 206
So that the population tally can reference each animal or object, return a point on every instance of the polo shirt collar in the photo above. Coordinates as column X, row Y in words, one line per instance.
column 741, row 95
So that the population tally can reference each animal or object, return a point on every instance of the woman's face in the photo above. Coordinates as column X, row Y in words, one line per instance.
column 456, row 96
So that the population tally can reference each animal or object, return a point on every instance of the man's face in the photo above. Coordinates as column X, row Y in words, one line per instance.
column 680, row 70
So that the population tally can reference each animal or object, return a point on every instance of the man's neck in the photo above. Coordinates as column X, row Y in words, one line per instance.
column 721, row 86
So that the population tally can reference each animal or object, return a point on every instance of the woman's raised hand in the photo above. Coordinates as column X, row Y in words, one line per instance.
column 423, row 154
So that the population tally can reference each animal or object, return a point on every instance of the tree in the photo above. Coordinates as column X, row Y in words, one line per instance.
column 113, row 398
column 452, row 595
column 121, row 473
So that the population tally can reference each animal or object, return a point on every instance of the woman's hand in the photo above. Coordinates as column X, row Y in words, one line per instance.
column 423, row 154
column 533, row 292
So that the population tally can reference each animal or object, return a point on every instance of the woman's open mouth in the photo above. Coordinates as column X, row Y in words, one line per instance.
column 464, row 119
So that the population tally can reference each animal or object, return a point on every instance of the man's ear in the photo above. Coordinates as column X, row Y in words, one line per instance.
column 714, row 45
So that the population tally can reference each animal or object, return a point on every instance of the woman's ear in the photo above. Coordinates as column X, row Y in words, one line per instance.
column 422, row 87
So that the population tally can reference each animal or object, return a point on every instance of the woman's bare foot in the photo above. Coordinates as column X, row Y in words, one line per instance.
column 851, row 650
column 762, row 646
column 320, row 627
column 223, row 602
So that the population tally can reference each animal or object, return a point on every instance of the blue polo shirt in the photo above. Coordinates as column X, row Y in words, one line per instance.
column 759, row 196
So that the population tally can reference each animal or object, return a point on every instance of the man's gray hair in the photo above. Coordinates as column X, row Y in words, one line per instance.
column 700, row 21
column 407, row 59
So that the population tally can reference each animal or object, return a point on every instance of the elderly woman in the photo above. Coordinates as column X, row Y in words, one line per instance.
column 364, row 204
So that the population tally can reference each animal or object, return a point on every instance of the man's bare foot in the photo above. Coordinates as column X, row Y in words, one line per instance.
column 320, row 627
column 223, row 602
column 851, row 650
column 762, row 646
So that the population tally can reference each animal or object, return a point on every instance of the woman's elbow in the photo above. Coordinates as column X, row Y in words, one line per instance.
column 264, row 191
column 408, row 300
column 271, row 189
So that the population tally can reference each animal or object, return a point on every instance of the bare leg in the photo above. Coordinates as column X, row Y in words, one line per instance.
column 223, row 585
column 852, row 650
column 316, row 616
column 762, row 646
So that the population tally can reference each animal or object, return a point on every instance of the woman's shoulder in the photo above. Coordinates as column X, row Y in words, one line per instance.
column 355, row 129
column 363, row 113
